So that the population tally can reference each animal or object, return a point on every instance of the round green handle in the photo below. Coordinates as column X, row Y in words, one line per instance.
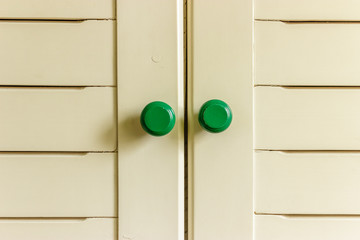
column 157, row 118
column 215, row 116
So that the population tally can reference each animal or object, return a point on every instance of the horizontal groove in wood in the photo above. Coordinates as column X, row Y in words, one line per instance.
column 307, row 151
column 55, row 20
column 308, row 215
column 309, row 21
column 53, row 218
column 308, row 86
column 310, row 151
column 51, row 87
column 55, row 152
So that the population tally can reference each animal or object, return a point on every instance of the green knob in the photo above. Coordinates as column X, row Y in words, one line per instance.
column 215, row 116
column 157, row 118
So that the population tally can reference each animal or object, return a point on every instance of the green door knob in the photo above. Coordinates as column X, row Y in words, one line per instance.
column 157, row 118
column 215, row 116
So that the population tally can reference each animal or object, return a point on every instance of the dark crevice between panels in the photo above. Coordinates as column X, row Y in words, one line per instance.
column 186, row 190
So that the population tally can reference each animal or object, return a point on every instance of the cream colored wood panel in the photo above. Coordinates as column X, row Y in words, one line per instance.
column 57, row 185
column 151, row 169
column 58, row 229
column 307, row 182
column 57, row 9
column 60, row 53
column 57, row 119
column 220, row 64
column 307, row 118
column 306, row 228
column 307, row 54
column 307, row 9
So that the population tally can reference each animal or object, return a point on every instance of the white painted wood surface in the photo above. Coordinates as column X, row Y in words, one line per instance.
column 316, row 191
column 151, row 169
column 342, row 10
column 307, row 182
column 59, row 229
column 58, row 119
column 57, row 9
column 306, row 228
column 58, row 185
column 220, row 63
column 307, row 118
column 64, row 53
column 324, row 54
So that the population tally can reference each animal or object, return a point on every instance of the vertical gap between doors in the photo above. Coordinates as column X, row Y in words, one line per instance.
column 186, row 195
column 188, row 126
column 117, row 115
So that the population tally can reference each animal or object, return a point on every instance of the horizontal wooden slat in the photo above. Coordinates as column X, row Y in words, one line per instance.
column 307, row 118
column 307, row 54
column 57, row 53
column 58, row 119
column 59, row 229
column 307, row 182
column 307, row 9
column 306, row 228
column 57, row 9
column 57, row 185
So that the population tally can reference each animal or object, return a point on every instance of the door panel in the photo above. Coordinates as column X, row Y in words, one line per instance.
column 58, row 53
column 57, row 185
column 57, row 119
column 307, row 9
column 310, row 54
column 220, row 58
column 307, row 118
column 59, row 229
column 57, row 9
column 306, row 227
column 151, row 169
column 307, row 182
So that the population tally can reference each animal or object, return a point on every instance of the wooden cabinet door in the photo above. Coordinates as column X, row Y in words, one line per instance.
column 151, row 169
column 219, row 67
column 306, row 118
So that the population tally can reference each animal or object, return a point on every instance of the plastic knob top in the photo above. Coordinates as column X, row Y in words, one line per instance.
column 157, row 118
column 215, row 116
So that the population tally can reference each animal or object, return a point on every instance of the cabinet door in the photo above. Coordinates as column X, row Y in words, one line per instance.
column 220, row 56
column 151, row 169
